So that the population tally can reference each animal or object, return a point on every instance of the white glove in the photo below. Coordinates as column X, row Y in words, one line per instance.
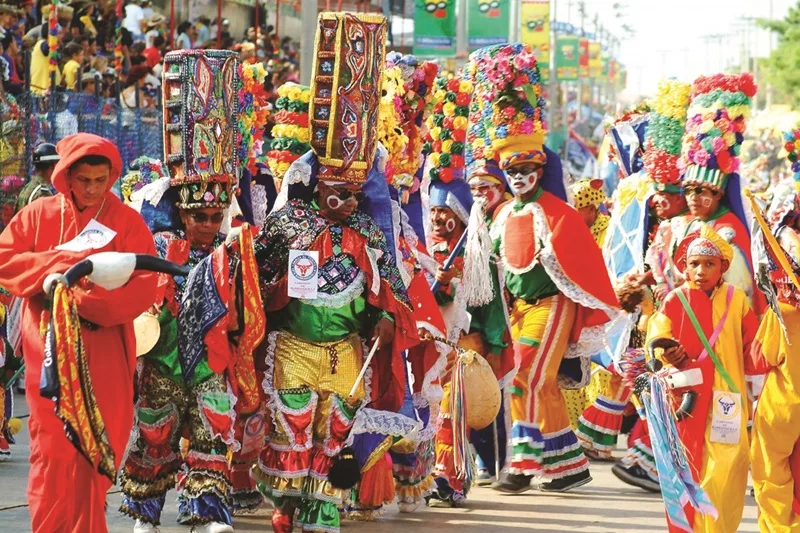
column 233, row 234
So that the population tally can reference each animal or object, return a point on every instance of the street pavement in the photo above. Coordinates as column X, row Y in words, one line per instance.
column 605, row 505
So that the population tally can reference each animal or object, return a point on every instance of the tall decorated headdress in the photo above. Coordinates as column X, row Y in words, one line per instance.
column 510, row 84
column 349, row 60
column 447, row 129
column 254, row 110
column 291, row 135
column 201, row 108
column 665, row 129
column 480, row 155
column 715, row 126
column 390, row 132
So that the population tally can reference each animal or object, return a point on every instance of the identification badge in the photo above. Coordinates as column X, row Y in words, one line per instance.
column 303, row 274
column 93, row 237
column 726, row 420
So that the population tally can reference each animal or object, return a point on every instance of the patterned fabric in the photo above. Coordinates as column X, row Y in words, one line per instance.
column 165, row 413
column 66, row 379
column 200, row 132
column 348, row 66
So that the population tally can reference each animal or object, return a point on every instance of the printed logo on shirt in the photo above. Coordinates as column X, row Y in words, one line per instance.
column 304, row 267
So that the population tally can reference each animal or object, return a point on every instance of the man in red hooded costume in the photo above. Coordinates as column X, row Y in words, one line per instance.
column 49, row 236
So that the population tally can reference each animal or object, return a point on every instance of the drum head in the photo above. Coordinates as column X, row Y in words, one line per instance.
column 147, row 330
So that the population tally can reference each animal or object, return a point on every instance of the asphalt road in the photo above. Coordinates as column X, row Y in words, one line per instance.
column 605, row 505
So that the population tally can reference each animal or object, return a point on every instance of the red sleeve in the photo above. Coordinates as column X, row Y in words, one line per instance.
column 111, row 308
column 23, row 269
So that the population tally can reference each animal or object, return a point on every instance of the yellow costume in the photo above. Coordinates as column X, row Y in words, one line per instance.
column 776, row 428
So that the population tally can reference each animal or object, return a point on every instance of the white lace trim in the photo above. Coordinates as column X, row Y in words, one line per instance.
column 258, row 195
column 591, row 341
column 350, row 293
column 384, row 423
column 150, row 193
column 298, row 172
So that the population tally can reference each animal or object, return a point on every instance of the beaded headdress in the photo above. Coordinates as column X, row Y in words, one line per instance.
column 718, row 111
column 349, row 53
column 508, row 80
column 290, row 136
column 665, row 129
column 201, row 106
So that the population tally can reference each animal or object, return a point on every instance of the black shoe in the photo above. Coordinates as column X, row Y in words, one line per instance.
column 513, row 483
column 636, row 476
column 566, row 483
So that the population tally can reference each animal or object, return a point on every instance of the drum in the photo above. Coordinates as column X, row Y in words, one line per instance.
column 147, row 330
column 481, row 390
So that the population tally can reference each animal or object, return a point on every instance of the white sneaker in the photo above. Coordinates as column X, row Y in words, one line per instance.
column 144, row 527
column 213, row 527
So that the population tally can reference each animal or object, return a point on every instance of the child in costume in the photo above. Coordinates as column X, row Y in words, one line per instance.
column 324, row 235
column 553, row 270
column 708, row 325
column 189, row 381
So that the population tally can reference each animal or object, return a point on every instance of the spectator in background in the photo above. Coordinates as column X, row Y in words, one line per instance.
column 74, row 54
column 153, row 54
column 10, row 53
column 155, row 27
column 136, row 80
column 185, row 36
column 134, row 16
column 40, row 64
column 203, row 33
column 89, row 83
column 147, row 9
column 86, row 20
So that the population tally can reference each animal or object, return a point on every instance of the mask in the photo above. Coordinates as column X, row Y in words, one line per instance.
column 522, row 183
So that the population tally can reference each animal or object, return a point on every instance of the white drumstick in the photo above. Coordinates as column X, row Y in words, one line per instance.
column 364, row 368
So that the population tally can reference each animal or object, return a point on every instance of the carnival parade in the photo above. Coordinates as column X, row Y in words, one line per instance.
column 348, row 284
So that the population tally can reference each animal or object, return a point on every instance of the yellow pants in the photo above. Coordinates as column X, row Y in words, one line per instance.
column 539, row 413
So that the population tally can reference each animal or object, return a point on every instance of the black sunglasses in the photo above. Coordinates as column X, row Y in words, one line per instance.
column 202, row 218
column 699, row 190
column 344, row 194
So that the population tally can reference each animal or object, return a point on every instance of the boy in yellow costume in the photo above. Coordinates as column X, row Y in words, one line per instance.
column 705, row 312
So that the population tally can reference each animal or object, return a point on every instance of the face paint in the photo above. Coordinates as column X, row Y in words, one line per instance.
column 706, row 201
column 450, row 225
column 523, row 183
column 334, row 202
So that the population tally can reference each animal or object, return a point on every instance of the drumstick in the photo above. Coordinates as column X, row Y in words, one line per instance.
column 364, row 368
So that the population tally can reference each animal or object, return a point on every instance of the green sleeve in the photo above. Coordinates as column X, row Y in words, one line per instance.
column 494, row 318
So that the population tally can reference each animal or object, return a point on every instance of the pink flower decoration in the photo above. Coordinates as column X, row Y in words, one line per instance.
column 208, row 196
column 702, row 157
column 718, row 144
column 526, row 128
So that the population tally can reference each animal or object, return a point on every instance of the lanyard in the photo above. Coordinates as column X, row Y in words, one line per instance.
column 717, row 331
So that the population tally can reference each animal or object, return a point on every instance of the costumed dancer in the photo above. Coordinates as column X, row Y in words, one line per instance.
column 10, row 365
column 774, row 450
column 707, row 324
column 190, row 378
column 328, row 275
column 664, row 201
column 490, row 190
column 553, row 270
column 715, row 126
column 51, row 235
column 600, row 423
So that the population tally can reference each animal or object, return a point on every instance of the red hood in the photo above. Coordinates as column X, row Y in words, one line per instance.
column 79, row 145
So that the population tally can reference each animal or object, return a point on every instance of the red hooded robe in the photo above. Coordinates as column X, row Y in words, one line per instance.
column 64, row 492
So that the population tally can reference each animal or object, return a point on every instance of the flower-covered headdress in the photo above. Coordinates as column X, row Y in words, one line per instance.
column 390, row 133
column 291, row 135
column 143, row 172
column 349, row 56
column 664, row 133
column 719, row 109
column 201, row 109
column 254, row 110
column 509, row 82
column 418, row 83
column 785, row 195
column 447, row 128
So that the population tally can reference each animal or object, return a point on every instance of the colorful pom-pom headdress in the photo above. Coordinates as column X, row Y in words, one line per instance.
column 786, row 194
column 201, row 110
column 510, row 84
column 390, row 133
column 667, row 123
column 447, row 129
column 254, row 110
column 349, row 60
column 291, row 135
column 715, row 126
column 143, row 172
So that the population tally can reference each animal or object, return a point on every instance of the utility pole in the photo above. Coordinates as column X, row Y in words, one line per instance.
column 582, row 12
column 308, row 17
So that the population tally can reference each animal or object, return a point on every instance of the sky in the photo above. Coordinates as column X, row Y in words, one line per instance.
column 669, row 39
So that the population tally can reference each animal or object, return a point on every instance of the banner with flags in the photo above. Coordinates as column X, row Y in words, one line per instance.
column 487, row 22
column 534, row 16
column 583, row 58
column 435, row 28
column 567, row 58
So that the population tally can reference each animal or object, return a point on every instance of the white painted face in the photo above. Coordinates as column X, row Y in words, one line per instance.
column 490, row 191
column 523, row 179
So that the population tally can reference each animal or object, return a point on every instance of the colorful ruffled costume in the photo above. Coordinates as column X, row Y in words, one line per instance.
column 314, row 349
column 564, row 283
column 194, row 381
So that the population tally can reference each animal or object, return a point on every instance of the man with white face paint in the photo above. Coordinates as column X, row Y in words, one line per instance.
column 554, row 273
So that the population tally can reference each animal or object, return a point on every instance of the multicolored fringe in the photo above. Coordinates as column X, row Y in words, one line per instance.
column 463, row 457
column 641, row 454
column 66, row 379
column 678, row 485
column 552, row 455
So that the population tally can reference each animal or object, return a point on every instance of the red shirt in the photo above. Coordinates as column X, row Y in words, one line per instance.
column 152, row 56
